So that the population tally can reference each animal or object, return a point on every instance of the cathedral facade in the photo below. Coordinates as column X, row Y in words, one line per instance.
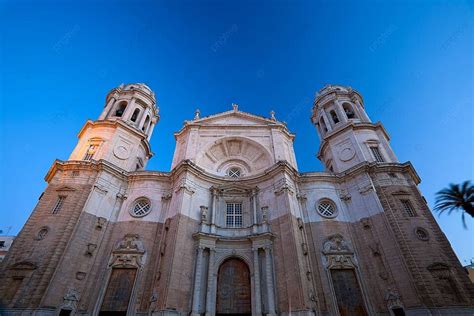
column 234, row 228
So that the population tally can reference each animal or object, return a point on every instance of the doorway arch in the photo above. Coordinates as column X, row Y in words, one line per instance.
column 233, row 288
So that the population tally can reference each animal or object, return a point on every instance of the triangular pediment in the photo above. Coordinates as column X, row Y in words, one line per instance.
column 235, row 118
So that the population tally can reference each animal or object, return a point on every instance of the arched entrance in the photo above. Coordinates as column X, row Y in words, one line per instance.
column 233, row 288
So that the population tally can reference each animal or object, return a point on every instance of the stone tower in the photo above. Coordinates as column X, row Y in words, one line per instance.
column 121, row 134
column 348, row 137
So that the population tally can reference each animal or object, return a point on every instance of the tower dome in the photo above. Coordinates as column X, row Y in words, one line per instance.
column 133, row 103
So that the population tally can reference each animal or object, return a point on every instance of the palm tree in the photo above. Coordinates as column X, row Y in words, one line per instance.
column 456, row 197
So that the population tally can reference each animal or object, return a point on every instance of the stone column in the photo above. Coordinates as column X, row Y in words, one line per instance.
column 106, row 111
column 256, row 282
column 128, row 111
column 214, row 194
column 361, row 112
column 340, row 112
column 254, row 200
column 269, row 281
column 150, row 129
column 146, row 112
column 210, row 305
column 326, row 120
column 197, row 282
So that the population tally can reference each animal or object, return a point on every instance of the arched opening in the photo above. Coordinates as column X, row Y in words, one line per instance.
column 334, row 117
column 145, row 125
column 135, row 115
column 349, row 110
column 233, row 288
column 121, row 109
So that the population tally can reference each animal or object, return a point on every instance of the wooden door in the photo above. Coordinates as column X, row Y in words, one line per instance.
column 118, row 293
column 233, row 288
column 348, row 293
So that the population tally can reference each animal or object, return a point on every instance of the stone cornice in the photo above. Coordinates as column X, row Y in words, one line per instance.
column 93, row 165
column 115, row 124
column 140, row 92
column 265, row 123
column 327, row 94
column 352, row 126
column 363, row 167
column 217, row 181
column 251, row 181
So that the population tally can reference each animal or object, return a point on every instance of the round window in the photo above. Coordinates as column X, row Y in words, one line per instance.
column 327, row 209
column 140, row 208
column 234, row 172
column 421, row 234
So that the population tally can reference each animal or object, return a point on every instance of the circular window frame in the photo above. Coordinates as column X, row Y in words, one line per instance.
column 329, row 202
column 421, row 229
column 42, row 233
column 235, row 169
column 131, row 211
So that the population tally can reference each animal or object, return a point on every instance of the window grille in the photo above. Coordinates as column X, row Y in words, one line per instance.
column 234, row 172
column 59, row 204
column 377, row 155
column 234, row 215
column 326, row 209
column 90, row 152
column 408, row 208
column 141, row 208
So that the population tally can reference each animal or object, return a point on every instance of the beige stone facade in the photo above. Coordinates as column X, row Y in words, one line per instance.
column 234, row 228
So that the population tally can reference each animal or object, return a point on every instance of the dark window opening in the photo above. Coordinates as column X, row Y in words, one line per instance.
column 65, row 312
column 398, row 311
column 334, row 117
column 349, row 111
column 135, row 115
column 121, row 109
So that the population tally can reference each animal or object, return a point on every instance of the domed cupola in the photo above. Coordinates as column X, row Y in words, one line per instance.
column 134, row 104
column 348, row 137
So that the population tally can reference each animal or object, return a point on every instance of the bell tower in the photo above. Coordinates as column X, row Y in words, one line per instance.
column 348, row 136
column 121, row 134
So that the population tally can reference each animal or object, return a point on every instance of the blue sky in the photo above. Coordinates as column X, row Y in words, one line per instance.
column 411, row 60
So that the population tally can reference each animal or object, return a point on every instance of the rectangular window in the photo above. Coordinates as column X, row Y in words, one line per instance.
column 377, row 155
column 90, row 152
column 2, row 244
column 234, row 215
column 59, row 204
column 408, row 208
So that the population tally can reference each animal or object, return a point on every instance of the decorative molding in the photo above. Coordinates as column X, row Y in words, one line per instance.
column 70, row 299
column 102, row 189
column 90, row 249
column 80, row 275
column 100, row 222
column 204, row 214
column 339, row 254
column 121, row 196
column 128, row 253
column 366, row 223
column 166, row 197
column 393, row 299
column 366, row 189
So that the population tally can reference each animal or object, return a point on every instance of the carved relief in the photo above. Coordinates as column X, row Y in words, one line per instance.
column 122, row 151
column 90, row 249
column 100, row 222
column 339, row 254
column 129, row 252
column 70, row 299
